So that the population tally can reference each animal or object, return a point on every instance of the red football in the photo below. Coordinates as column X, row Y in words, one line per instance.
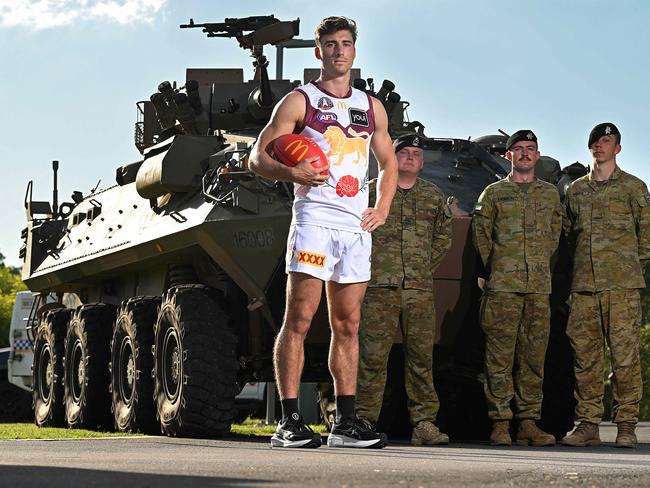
column 290, row 149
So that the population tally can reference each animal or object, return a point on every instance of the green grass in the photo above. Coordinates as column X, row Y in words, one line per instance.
column 249, row 427
column 31, row 431
column 257, row 427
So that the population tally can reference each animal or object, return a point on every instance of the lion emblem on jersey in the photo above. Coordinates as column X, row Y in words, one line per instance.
column 341, row 145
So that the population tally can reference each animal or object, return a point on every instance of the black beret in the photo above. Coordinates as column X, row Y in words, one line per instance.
column 412, row 140
column 521, row 135
column 604, row 129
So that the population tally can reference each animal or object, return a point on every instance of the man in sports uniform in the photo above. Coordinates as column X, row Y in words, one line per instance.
column 329, row 240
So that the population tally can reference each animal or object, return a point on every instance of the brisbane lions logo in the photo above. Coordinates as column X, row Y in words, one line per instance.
column 341, row 145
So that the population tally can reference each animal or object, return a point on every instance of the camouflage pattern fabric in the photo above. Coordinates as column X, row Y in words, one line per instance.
column 406, row 250
column 516, row 330
column 608, row 227
column 414, row 239
column 382, row 310
column 611, row 317
column 516, row 234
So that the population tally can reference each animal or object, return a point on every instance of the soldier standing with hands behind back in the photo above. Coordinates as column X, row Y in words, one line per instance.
column 608, row 225
column 517, row 224
column 406, row 251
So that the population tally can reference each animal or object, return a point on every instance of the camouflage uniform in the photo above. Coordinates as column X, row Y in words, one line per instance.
column 406, row 251
column 608, row 226
column 516, row 234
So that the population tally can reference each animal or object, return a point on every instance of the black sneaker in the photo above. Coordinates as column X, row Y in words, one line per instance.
column 294, row 432
column 358, row 432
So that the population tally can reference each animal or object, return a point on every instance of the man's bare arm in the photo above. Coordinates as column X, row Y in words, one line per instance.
column 382, row 148
column 287, row 115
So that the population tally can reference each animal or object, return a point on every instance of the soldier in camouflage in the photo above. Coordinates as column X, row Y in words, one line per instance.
column 608, row 228
column 516, row 228
column 406, row 251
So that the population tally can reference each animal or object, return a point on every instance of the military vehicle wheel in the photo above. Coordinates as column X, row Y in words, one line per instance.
column 195, row 364
column 47, row 371
column 87, row 377
column 133, row 405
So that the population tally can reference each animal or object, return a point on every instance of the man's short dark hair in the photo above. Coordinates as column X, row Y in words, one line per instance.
column 330, row 25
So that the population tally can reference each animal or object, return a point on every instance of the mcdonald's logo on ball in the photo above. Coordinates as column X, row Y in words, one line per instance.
column 291, row 149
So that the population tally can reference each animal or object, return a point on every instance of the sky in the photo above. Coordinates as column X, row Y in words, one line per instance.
column 72, row 71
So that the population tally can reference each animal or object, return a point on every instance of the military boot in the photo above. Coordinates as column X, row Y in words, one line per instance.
column 426, row 433
column 500, row 435
column 528, row 434
column 585, row 434
column 626, row 436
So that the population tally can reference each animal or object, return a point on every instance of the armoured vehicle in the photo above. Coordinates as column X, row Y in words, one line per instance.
column 170, row 284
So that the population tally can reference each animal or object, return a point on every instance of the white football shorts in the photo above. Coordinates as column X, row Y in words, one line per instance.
column 329, row 254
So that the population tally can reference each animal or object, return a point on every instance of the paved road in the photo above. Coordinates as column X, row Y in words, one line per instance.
column 163, row 462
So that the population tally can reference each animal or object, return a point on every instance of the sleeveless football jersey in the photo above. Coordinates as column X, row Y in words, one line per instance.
column 342, row 127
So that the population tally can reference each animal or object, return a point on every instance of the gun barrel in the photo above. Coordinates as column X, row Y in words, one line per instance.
column 55, row 191
column 232, row 27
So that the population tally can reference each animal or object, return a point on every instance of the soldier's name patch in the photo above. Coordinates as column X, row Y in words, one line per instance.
column 307, row 257
column 358, row 117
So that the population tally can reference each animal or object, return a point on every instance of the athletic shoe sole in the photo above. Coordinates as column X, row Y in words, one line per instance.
column 277, row 441
column 338, row 440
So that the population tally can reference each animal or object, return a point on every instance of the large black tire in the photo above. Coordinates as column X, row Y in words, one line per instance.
column 195, row 364
column 87, row 377
column 134, row 409
column 47, row 370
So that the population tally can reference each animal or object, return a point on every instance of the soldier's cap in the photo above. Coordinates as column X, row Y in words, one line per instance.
column 521, row 135
column 604, row 129
column 408, row 140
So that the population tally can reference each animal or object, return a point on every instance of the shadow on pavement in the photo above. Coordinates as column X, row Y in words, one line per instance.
column 54, row 477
